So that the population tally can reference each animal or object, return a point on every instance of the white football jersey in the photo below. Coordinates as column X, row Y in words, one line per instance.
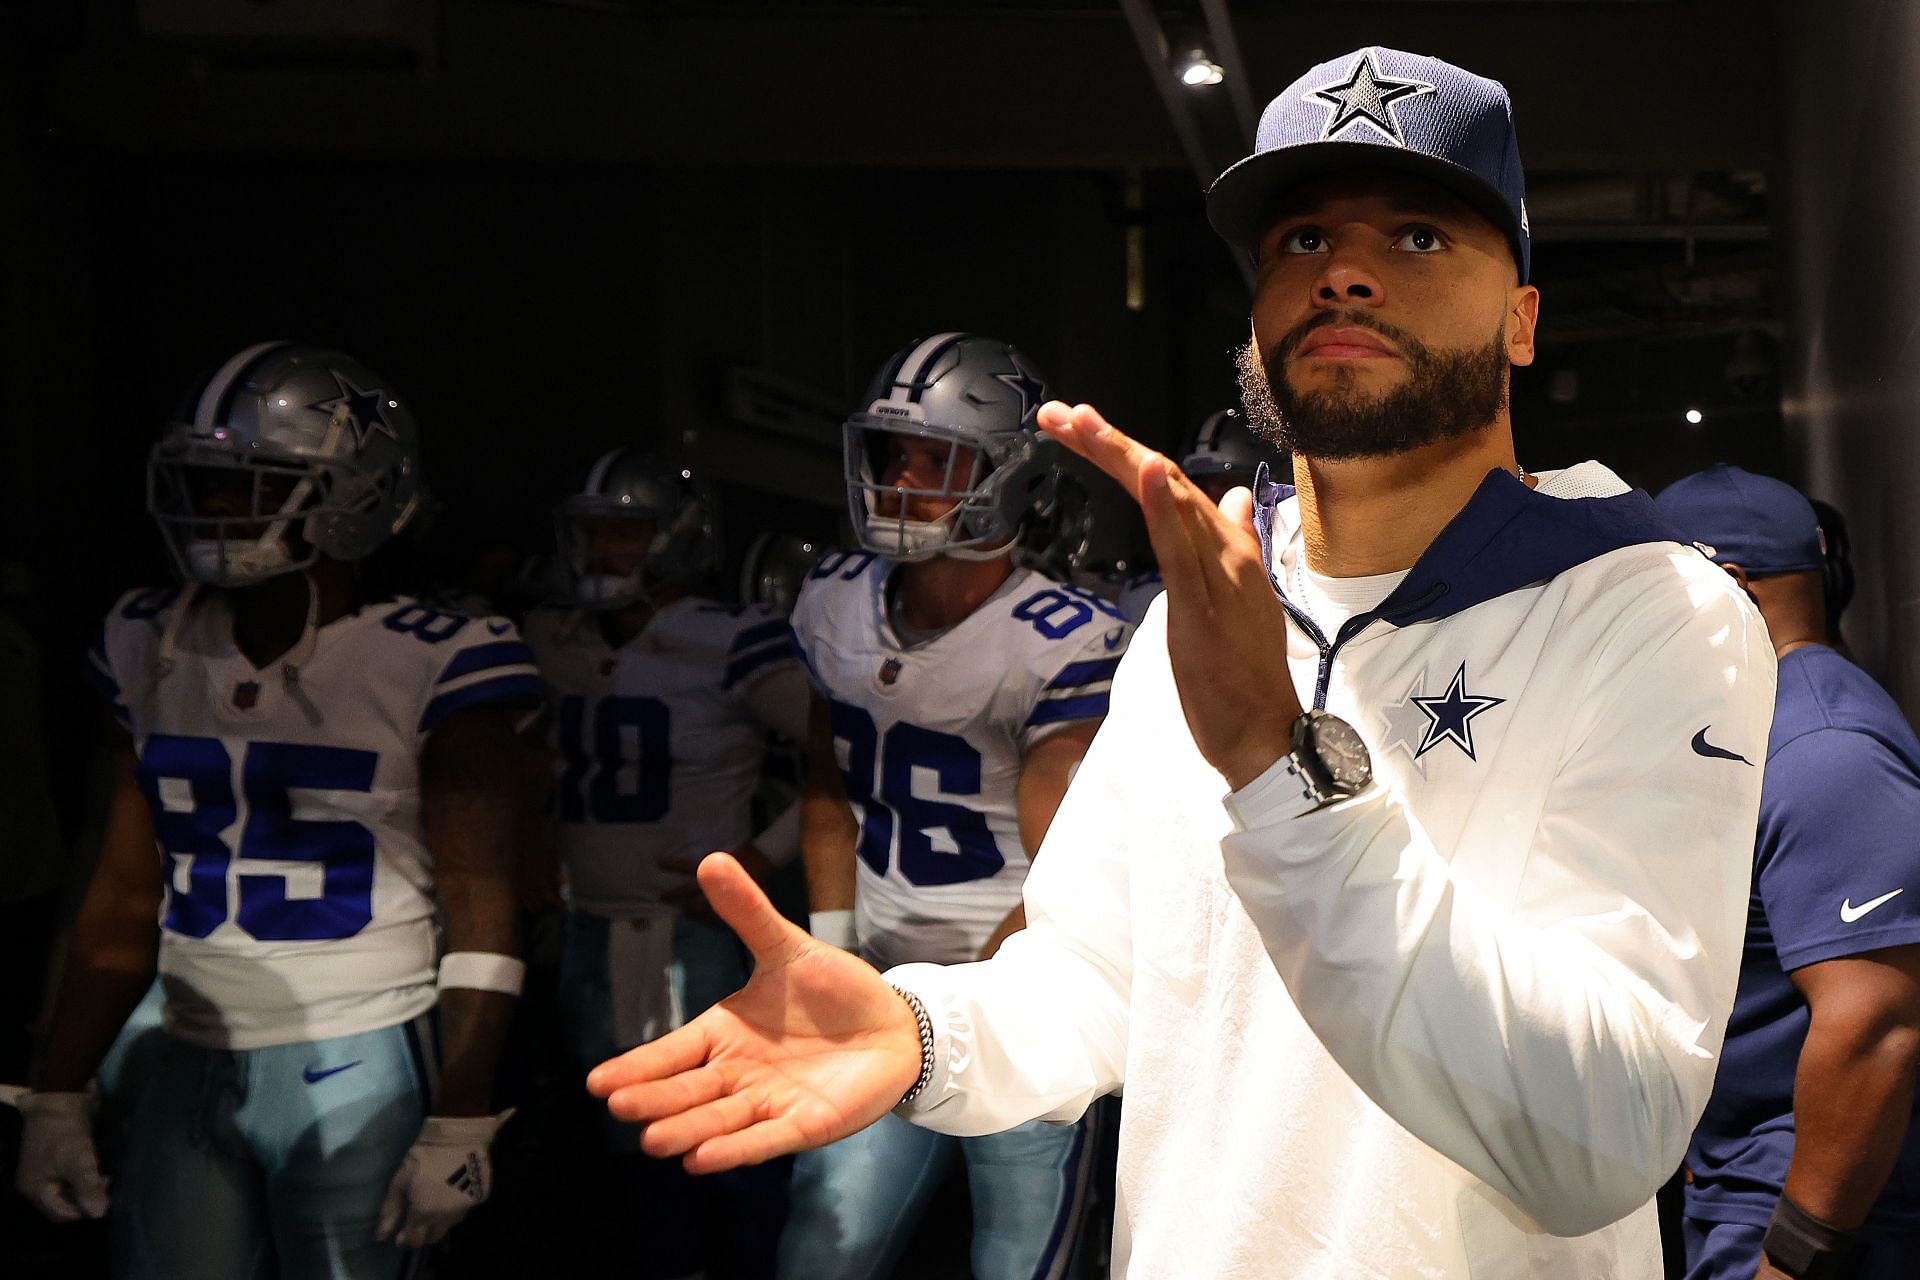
column 1140, row 592
column 657, row 753
column 299, row 891
column 930, row 740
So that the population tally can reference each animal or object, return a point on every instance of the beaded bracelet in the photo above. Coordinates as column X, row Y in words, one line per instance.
column 926, row 1046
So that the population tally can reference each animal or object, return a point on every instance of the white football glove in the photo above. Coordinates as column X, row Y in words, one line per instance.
column 445, row 1174
column 59, row 1171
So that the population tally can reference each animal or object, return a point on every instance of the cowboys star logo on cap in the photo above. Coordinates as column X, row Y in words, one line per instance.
column 1365, row 97
column 361, row 409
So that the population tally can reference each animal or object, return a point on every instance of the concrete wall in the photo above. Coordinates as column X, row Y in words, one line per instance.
column 1849, row 225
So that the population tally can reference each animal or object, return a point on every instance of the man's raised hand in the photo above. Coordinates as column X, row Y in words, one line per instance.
column 1226, row 629
column 815, row 1047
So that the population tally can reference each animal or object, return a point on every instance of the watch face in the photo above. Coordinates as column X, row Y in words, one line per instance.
column 1342, row 752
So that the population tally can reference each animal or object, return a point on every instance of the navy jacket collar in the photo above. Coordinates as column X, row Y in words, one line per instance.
column 1505, row 538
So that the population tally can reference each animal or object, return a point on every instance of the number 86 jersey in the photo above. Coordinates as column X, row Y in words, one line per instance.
column 930, row 739
column 298, row 889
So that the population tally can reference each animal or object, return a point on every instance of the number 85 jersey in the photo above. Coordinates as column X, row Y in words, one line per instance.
column 930, row 739
column 298, row 889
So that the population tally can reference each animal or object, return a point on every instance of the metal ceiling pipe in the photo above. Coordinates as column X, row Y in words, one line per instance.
column 1147, row 33
column 1226, row 47
column 1152, row 39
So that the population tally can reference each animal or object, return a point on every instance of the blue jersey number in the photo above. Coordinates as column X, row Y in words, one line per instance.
column 629, row 739
column 423, row 623
column 190, row 834
column 891, row 761
column 1061, row 610
column 848, row 564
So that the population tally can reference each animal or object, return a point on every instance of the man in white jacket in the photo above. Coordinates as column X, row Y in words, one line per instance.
column 1402, row 891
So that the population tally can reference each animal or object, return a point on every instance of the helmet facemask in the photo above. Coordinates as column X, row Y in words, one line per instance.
column 970, row 482
column 670, row 555
column 288, row 510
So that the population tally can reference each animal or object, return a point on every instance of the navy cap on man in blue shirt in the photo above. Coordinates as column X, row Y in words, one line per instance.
column 1763, row 525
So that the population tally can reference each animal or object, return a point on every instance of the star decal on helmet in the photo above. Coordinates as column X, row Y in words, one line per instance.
column 1024, row 381
column 364, row 411
column 1366, row 97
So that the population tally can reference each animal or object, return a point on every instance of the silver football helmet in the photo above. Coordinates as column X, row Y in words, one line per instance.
column 1061, row 541
column 284, row 439
column 630, row 484
column 775, row 567
column 979, row 396
column 1226, row 446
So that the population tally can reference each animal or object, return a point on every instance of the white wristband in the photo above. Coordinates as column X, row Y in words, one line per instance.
column 483, row 971
column 835, row 928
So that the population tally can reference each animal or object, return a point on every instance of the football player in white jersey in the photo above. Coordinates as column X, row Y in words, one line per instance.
column 330, row 782
column 1224, row 456
column 662, row 705
column 956, row 694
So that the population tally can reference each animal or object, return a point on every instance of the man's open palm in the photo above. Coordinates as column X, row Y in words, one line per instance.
column 815, row 1047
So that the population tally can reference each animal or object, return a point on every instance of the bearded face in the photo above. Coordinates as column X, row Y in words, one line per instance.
column 1446, row 393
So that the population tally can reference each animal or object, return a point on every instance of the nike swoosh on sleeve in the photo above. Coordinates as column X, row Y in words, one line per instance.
column 1701, row 747
column 1849, row 913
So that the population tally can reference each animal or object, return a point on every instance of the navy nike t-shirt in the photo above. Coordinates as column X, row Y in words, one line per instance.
column 1836, row 872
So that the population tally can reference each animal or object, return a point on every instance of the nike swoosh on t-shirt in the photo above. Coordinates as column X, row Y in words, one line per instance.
column 1849, row 913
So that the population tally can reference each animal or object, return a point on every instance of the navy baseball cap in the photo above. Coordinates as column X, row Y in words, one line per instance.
column 1387, row 109
column 1759, row 523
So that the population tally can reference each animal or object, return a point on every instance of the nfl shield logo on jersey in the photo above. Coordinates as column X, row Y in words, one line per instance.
column 889, row 671
column 246, row 694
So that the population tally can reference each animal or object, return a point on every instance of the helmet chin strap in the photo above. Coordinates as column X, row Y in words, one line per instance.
column 980, row 553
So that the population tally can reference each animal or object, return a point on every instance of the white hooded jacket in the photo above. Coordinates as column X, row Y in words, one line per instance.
column 1460, row 1025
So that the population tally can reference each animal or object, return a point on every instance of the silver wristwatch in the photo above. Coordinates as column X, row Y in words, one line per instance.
column 1329, row 757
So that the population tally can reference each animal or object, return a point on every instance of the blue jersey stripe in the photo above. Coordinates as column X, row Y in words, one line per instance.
column 1075, row 674
column 760, row 634
column 499, row 689
column 507, row 653
column 1053, row 710
column 745, row 665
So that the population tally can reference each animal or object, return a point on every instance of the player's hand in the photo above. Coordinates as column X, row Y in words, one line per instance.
column 688, row 898
column 445, row 1174
column 1226, row 628
column 816, row 1046
column 59, row 1171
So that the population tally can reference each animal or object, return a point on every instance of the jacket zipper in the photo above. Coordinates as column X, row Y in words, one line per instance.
column 1348, row 630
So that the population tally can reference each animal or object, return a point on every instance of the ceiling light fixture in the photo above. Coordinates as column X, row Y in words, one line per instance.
column 1194, row 67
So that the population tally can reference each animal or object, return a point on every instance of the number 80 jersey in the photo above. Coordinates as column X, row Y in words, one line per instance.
column 298, row 889
column 930, row 740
